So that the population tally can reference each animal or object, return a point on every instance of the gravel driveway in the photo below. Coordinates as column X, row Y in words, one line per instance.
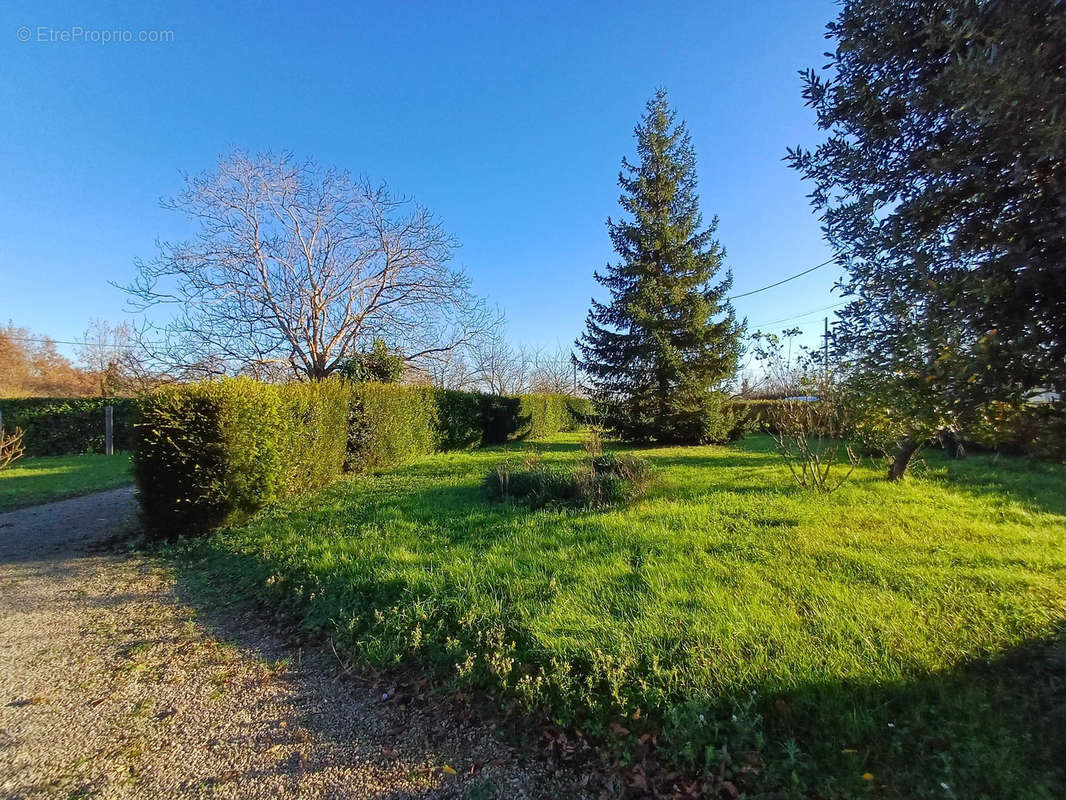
column 111, row 686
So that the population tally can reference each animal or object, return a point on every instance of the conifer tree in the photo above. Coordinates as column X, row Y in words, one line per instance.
column 658, row 353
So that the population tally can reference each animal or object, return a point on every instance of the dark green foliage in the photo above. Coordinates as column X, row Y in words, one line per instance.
column 659, row 350
column 468, row 419
column 1038, row 431
column 582, row 413
column 459, row 419
column 499, row 418
column 212, row 453
column 942, row 184
column 390, row 424
column 56, row 426
column 754, row 414
column 379, row 364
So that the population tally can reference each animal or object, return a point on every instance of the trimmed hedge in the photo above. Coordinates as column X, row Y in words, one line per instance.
column 60, row 426
column 213, row 453
column 460, row 423
column 390, row 424
column 541, row 415
column 469, row 419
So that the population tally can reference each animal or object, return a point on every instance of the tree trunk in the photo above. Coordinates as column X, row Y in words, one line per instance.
column 952, row 445
column 899, row 466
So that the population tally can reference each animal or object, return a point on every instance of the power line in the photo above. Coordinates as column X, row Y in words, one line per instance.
column 785, row 280
column 732, row 297
column 80, row 344
column 800, row 316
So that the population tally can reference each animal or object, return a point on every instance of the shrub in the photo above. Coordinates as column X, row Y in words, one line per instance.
column 598, row 480
column 390, row 424
column 380, row 364
column 542, row 415
column 1035, row 430
column 318, row 437
column 213, row 453
column 581, row 411
column 810, row 438
column 499, row 418
column 757, row 414
column 58, row 426
column 459, row 419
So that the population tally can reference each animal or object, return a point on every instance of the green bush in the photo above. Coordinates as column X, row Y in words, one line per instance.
column 581, row 411
column 58, row 426
column 459, row 420
column 499, row 418
column 542, row 415
column 467, row 419
column 213, row 453
column 390, row 424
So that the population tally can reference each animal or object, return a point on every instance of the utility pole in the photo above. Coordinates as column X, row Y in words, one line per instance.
column 825, row 349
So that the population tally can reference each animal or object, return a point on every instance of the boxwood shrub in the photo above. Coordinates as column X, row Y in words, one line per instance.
column 59, row 426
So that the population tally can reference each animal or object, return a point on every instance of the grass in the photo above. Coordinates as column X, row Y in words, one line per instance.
column 30, row 481
column 894, row 640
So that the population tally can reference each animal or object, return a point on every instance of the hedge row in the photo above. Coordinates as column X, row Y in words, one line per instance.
column 212, row 453
column 56, row 426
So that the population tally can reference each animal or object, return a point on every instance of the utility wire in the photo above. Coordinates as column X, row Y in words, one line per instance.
column 800, row 316
column 732, row 297
column 785, row 280
column 80, row 344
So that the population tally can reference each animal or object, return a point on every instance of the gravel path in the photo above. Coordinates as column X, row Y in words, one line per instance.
column 111, row 686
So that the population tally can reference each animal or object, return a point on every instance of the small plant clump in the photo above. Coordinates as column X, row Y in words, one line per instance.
column 599, row 479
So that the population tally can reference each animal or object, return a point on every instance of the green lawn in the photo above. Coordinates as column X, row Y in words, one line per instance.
column 907, row 632
column 30, row 481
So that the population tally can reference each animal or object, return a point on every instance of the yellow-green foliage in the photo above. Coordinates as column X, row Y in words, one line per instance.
column 213, row 452
column 542, row 415
column 390, row 424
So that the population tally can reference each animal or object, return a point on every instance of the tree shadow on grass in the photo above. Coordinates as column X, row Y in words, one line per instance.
column 1037, row 484
column 992, row 727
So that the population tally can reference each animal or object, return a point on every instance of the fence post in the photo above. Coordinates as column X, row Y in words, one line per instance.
column 109, row 427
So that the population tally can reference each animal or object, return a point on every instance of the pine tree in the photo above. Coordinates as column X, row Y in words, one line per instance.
column 659, row 352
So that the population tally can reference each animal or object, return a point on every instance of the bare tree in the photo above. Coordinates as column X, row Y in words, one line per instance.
column 115, row 359
column 451, row 370
column 498, row 366
column 301, row 266
column 553, row 372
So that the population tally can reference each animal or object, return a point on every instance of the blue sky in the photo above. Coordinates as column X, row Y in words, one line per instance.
column 508, row 120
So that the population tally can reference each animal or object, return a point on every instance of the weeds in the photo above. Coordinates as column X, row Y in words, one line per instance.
column 599, row 479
